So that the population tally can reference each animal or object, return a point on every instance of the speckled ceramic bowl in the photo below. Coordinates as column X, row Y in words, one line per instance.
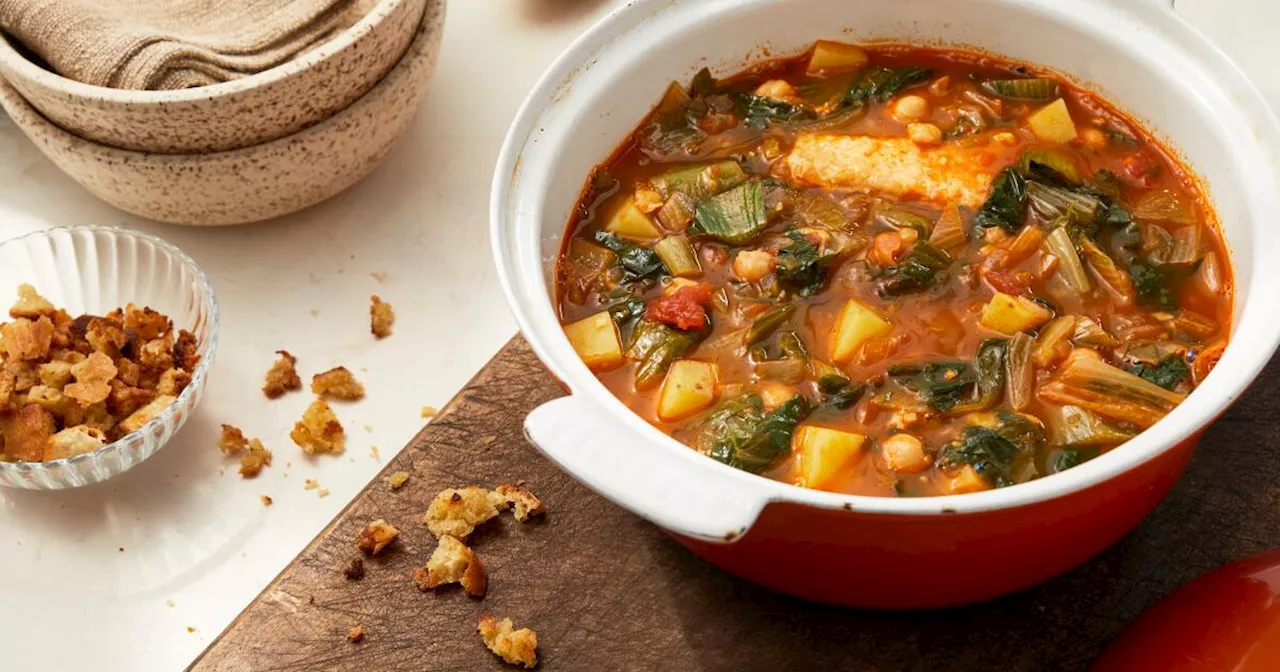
column 240, row 113
column 254, row 183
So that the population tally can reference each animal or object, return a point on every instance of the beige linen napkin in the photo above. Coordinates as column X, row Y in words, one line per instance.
column 172, row 44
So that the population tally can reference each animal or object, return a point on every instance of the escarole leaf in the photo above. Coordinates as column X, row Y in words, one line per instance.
column 918, row 271
column 989, row 365
column 656, row 346
column 881, row 84
column 1087, row 381
column 735, row 216
column 1029, row 88
column 759, row 111
column 1005, row 206
column 636, row 262
column 739, row 433
column 801, row 266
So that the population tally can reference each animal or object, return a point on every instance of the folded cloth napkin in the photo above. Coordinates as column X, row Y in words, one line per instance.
column 172, row 44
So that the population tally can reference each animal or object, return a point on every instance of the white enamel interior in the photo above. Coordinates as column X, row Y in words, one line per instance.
column 1137, row 54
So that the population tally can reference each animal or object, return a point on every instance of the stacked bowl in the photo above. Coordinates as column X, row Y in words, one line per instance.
column 245, row 150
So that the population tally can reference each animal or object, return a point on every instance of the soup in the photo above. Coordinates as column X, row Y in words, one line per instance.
column 894, row 271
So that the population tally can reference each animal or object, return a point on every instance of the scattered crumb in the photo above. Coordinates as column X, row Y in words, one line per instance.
column 282, row 376
column 169, row 603
column 337, row 383
column 376, row 536
column 517, row 647
column 122, row 549
column 251, row 463
column 524, row 503
column 373, row 452
column 379, row 276
column 322, row 493
column 428, row 412
column 310, row 484
column 232, row 440
column 319, row 430
column 354, row 570
column 315, row 312
column 456, row 512
column 452, row 562
column 190, row 629
column 266, row 500
column 368, row 428
column 396, row 480
column 381, row 317
column 311, row 599
column 356, row 634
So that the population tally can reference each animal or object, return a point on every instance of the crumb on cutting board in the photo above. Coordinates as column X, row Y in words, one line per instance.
column 456, row 512
column 381, row 317
column 523, row 502
column 397, row 480
column 452, row 562
column 356, row 634
column 516, row 647
column 376, row 536
column 354, row 571
column 282, row 376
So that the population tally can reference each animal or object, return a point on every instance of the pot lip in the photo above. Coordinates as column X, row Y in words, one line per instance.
column 1235, row 372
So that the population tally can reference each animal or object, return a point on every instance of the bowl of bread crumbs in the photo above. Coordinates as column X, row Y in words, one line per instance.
column 103, row 356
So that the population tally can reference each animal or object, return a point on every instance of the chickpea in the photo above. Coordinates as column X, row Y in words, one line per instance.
column 924, row 134
column 1094, row 138
column 753, row 265
column 905, row 453
column 778, row 89
column 647, row 200
column 911, row 108
column 1005, row 138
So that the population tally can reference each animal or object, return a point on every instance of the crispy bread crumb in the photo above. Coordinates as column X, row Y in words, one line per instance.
column 356, row 634
column 232, row 440
column 266, row 500
column 354, row 570
column 322, row 493
column 452, row 562
column 456, row 512
column 319, row 430
column 397, row 480
column 74, row 441
column 517, row 647
column 376, row 536
column 26, row 340
column 381, row 317
column 373, row 452
column 428, row 412
column 337, row 383
column 251, row 463
column 282, row 376
column 523, row 502
column 146, row 414
column 31, row 305
column 310, row 484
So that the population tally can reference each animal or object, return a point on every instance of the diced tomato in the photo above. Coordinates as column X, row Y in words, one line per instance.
column 1003, row 282
column 683, row 308
column 1139, row 170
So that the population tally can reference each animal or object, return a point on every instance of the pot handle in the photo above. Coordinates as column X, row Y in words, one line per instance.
column 663, row 486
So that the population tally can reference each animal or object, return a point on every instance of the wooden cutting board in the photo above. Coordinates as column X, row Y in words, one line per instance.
column 606, row 590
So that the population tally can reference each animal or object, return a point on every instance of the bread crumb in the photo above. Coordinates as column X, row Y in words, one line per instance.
column 322, row 493
column 524, row 503
column 139, row 418
column 337, row 383
column 356, row 634
column 251, row 464
column 517, row 647
column 456, row 512
column 190, row 629
column 354, row 570
column 319, row 430
column 74, row 441
column 31, row 305
column 282, row 376
column 373, row 452
column 379, row 276
column 381, row 317
column 397, row 480
column 232, row 440
column 266, row 500
column 376, row 536
column 428, row 412
column 452, row 562
column 310, row 484
column 170, row 603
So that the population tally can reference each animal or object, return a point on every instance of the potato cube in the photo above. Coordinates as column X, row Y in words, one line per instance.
column 1053, row 123
column 597, row 341
column 855, row 325
column 629, row 222
column 689, row 387
column 1012, row 314
column 821, row 453
column 834, row 57
column 965, row 481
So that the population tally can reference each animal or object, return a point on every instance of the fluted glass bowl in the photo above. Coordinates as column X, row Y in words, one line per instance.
column 93, row 270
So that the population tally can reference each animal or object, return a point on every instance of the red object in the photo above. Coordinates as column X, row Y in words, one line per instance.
column 683, row 308
column 1140, row 170
column 915, row 562
column 1226, row 620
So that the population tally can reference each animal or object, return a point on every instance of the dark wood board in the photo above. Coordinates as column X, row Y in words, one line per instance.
column 606, row 590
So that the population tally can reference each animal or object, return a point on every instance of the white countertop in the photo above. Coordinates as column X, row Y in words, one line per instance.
column 142, row 572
